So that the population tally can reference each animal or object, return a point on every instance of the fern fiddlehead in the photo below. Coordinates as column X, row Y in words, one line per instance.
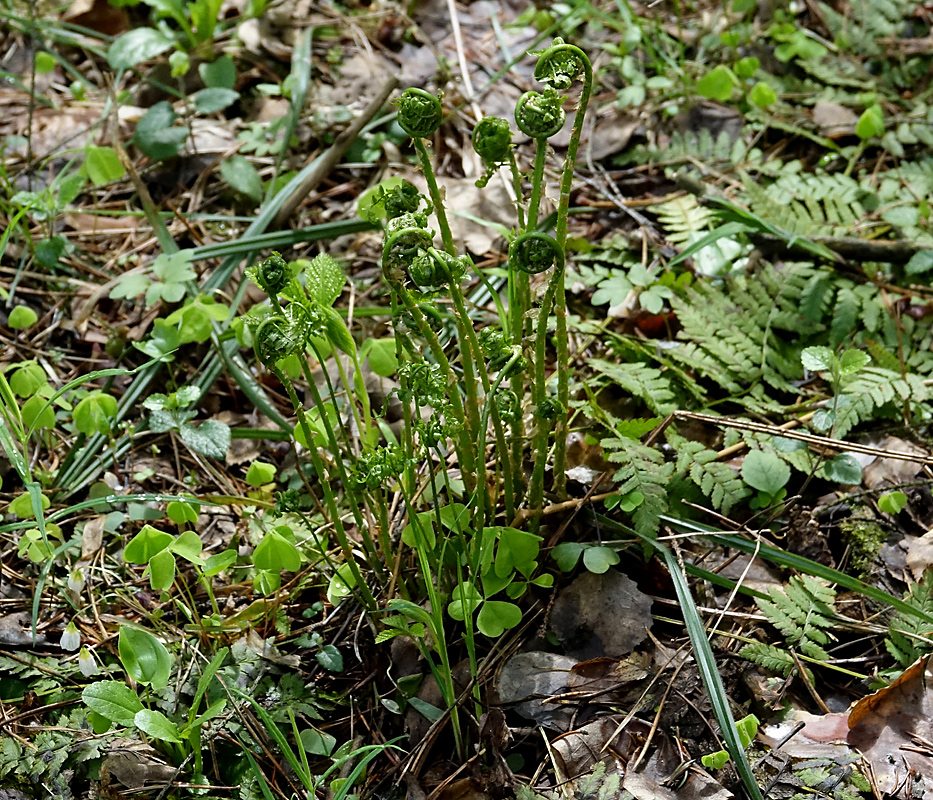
column 419, row 113
column 540, row 115
column 535, row 252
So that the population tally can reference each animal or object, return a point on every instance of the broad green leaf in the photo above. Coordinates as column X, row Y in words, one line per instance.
column 188, row 545
column 717, row 84
column 112, row 700
column 145, row 544
column 423, row 534
column 103, row 165
column 157, row 725
column 325, row 279
column 465, row 599
column 156, row 133
column 96, row 413
column 567, row 554
column 517, row 549
column 852, row 361
column 162, row 571
column 341, row 584
column 920, row 262
column 317, row 742
column 496, row 616
column 214, row 99
column 330, row 658
column 137, row 46
column 130, row 285
column 144, row 657
column 599, row 559
column 747, row 67
column 892, row 502
column 275, row 552
column 817, row 359
column 218, row 562
column 37, row 414
column 22, row 506
column 260, row 473
column 242, row 177
column 844, row 469
column 211, row 438
column 871, row 123
column 28, row 379
column 181, row 513
column 22, row 317
column 765, row 472
column 220, row 73
column 762, row 95
column 382, row 358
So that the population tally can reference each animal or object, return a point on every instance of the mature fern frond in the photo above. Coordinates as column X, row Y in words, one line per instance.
column 769, row 657
column 640, row 380
column 803, row 613
column 642, row 470
column 910, row 636
column 719, row 482
column 870, row 391
column 682, row 218
column 808, row 205
column 867, row 21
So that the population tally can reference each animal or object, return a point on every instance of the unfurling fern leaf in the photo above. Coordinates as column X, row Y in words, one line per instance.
column 642, row 470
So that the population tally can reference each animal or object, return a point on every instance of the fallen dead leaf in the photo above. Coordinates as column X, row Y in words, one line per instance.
column 601, row 615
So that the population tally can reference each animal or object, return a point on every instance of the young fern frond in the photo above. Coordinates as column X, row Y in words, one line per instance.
column 647, row 383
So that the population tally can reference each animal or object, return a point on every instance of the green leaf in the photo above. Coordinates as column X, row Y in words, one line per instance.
column 130, row 285
column 275, row 552
column 112, row 700
column 762, row 95
column 214, row 99
column 220, row 73
column 382, row 358
column 156, row 133
column 765, row 472
column 599, row 559
column 188, row 545
column 144, row 657
column 22, row 317
column 145, row 544
column 137, row 46
column 102, row 165
column 717, row 84
column 317, row 742
column 28, row 379
column 844, row 469
column 22, row 506
column 45, row 62
column 341, row 584
column 567, row 554
column 920, row 262
column 157, row 725
column 852, row 361
column 465, row 599
column 330, row 658
column 817, row 359
column 242, row 177
column 181, row 513
column 260, row 473
column 496, row 616
column 37, row 414
column 211, row 438
column 174, row 267
column 871, row 123
column 96, row 413
column 747, row 67
column 325, row 279
column 892, row 502
column 218, row 562
column 517, row 549
column 162, row 571
column 716, row 760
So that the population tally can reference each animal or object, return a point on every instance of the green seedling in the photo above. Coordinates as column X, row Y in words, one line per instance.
column 747, row 728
